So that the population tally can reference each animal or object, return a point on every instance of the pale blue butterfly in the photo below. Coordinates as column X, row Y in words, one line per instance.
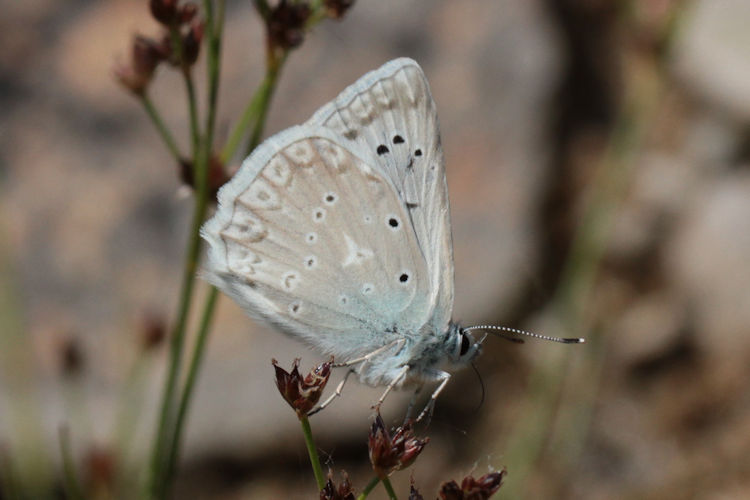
column 337, row 231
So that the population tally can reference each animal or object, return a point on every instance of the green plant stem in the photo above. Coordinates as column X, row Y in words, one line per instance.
column 389, row 488
column 312, row 451
column 193, row 106
column 155, row 117
column 194, row 368
column 177, row 339
column 214, row 29
column 9, row 487
column 368, row 489
column 73, row 489
column 157, row 483
column 254, row 113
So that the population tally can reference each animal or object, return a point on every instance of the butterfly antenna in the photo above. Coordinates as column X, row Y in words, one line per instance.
column 575, row 340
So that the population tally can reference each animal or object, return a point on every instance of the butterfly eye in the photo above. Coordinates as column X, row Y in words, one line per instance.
column 465, row 344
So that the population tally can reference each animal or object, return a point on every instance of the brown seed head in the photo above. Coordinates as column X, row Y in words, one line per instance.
column 187, row 12
column 191, row 43
column 164, row 11
column 72, row 358
column 343, row 492
column 217, row 175
column 389, row 454
column 302, row 394
column 473, row 489
column 336, row 9
column 145, row 56
column 286, row 24
column 414, row 493
column 153, row 331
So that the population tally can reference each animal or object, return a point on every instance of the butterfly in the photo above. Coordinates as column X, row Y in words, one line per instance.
column 337, row 232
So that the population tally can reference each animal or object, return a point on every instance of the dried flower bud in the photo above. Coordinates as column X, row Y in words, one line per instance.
column 336, row 9
column 343, row 492
column 473, row 489
column 191, row 43
column 153, row 331
column 187, row 12
column 100, row 468
column 217, row 175
column 286, row 24
column 302, row 394
column 145, row 56
column 414, row 492
column 389, row 454
column 164, row 11
column 72, row 359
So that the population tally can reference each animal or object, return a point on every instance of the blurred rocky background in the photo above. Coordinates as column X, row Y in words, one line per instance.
column 598, row 158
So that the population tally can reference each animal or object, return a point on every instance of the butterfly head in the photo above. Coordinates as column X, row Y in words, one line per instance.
column 462, row 346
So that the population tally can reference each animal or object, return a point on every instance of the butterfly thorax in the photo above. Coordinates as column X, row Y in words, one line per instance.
column 427, row 355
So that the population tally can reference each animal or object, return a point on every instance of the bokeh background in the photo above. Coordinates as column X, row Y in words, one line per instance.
column 598, row 158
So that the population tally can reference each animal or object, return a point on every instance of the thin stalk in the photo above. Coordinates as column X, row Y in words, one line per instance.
column 312, row 451
column 254, row 113
column 194, row 368
column 164, row 132
column 177, row 340
column 157, row 480
column 193, row 106
column 9, row 487
column 214, row 29
column 389, row 488
column 368, row 489
column 73, row 489
column 273, row 70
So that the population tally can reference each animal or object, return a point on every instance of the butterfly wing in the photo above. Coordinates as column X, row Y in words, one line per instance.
column 311, row 238
column 389, row 117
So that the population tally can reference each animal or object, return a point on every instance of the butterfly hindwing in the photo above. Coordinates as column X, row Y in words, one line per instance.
column 311, row 237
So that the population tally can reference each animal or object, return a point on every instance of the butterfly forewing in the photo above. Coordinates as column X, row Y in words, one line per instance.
column 389, row 117
column 316, row 240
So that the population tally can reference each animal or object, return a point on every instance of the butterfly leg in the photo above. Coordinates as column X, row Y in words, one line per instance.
column 398, row 378
column 364, row 359
column 333, row 396
column 444, row 377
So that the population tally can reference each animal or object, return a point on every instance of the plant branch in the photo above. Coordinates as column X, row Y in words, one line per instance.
column 73, row 489
column 312, row 451
column 164, row 132
column 389, row 488
column 368, row 489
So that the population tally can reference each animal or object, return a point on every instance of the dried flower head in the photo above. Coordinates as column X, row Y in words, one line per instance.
column 72, row 358
column 100, row 467
column 473, row 489
column 191, row 43
column 153, row 331
column 164, row 11
column 145, row 56
column 414, row 493
column 343, row 492
column 389, row 454
column 217, row 174
column 302, row 394
column 336, row 9
column 286, row 24
column 187, row 12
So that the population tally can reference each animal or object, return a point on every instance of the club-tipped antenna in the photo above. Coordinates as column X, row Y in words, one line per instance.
column 574, row 340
